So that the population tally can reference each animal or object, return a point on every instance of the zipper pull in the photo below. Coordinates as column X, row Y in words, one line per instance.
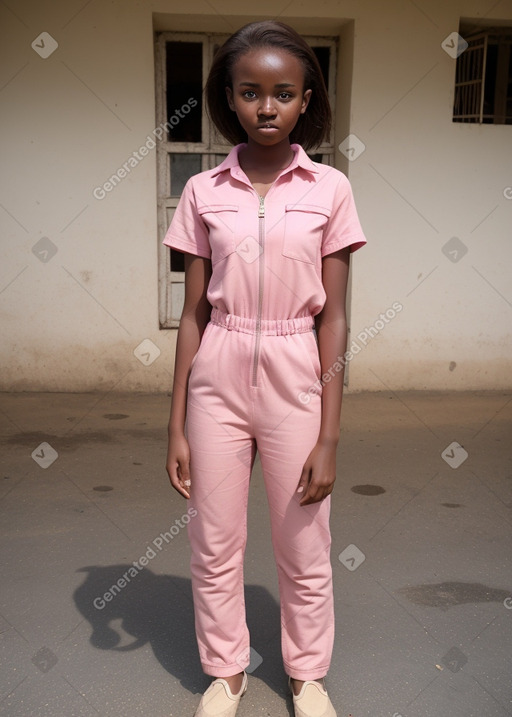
column 261, row 210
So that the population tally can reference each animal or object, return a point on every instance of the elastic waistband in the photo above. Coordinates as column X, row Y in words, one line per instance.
column 269, row 327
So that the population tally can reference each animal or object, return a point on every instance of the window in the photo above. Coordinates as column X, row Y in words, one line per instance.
column 483, row 82
column 190, row 144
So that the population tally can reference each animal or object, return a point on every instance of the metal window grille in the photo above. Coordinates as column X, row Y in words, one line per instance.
column 470, row 81
column 483, row 80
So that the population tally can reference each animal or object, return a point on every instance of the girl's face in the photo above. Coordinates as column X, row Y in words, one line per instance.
column 268, row 94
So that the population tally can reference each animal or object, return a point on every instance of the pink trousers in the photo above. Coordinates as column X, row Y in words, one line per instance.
column 244, row 390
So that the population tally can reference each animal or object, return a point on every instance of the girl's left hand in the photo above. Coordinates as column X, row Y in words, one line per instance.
column 319, row 473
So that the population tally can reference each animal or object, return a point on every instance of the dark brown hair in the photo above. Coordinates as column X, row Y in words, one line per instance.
column 313, row 126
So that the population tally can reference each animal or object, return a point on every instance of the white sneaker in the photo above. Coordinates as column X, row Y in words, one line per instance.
column 312, row 700
column 219, row 701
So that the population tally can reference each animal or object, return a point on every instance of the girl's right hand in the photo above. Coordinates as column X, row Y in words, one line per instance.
column 178, row 463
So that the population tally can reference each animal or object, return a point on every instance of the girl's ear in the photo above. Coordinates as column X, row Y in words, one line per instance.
column 305, row 100
column 229, row 95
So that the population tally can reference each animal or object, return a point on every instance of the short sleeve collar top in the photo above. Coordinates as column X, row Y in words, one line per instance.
column 266, row 253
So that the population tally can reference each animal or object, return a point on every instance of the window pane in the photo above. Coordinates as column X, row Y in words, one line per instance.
column 177, row 300
column 490, row 82
column 184, row 62
column 177, row 263
column 322, row 55
column 508, row 119
column 183, row 166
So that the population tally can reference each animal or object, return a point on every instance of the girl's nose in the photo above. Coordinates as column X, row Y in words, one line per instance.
column 267, row 106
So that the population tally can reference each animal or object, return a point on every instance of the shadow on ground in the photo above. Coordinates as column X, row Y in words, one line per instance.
column 158, row 610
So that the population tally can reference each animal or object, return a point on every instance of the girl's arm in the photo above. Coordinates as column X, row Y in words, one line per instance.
column 319, row 472
column 195, row 316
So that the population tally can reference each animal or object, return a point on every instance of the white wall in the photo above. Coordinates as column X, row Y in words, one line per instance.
column 421, row 181
column 71, row 120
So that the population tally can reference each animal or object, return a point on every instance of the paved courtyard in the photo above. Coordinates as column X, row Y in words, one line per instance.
column 95, row 602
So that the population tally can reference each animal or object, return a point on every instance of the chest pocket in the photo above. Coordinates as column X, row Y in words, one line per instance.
column 304, row 227
column 221, row 220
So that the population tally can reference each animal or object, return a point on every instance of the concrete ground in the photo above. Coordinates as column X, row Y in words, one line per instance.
column 422, row 559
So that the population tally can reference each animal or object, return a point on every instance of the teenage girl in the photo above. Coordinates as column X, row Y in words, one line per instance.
column 267, row 237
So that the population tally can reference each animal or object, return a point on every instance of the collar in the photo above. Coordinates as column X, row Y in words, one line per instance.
column 301, row 159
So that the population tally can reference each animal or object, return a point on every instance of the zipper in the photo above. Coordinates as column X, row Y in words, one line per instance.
column 261, row 269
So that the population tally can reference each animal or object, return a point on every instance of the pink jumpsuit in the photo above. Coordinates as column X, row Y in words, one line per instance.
column 258, row 355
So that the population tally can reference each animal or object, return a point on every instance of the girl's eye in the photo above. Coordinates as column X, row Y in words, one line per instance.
column 284, row 95
column 249, row 94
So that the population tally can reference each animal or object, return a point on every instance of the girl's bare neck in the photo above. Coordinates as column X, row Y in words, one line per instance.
column 263, row 165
